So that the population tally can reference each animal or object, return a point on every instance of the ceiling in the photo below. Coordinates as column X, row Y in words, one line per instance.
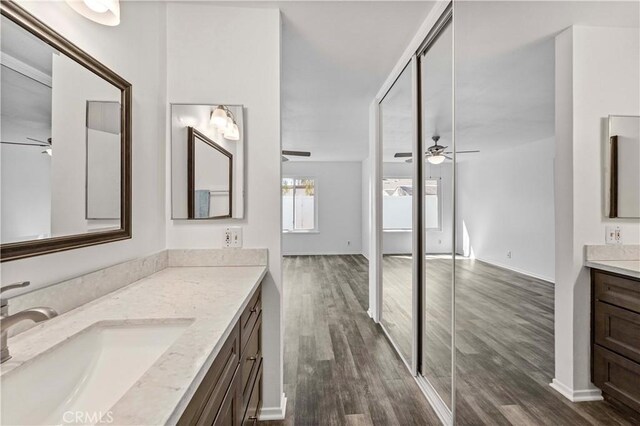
column 335, row 57
column 504, row 71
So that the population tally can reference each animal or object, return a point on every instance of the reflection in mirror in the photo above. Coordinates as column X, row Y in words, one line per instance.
column 397, row 214
column 55, row 181
column 207, row 161
column 437, row 142
column 103, row 160
column 624, row 166
column 210, row 185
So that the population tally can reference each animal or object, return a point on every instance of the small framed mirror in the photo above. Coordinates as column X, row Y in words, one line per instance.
column 207, row 161
column 623, row 152
column 65, row 142
column 210, row 186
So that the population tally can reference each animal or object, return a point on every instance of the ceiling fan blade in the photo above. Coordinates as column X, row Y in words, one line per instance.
column 297, row 153
column 402, row 155
column 448, row 158
column 284, row 159
column 38, row 140
column 462, row 152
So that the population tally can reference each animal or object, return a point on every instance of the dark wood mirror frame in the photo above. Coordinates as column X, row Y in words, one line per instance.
column 194, row 134
column 23, row 249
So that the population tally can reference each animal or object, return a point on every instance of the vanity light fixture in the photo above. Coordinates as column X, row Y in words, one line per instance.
column 223, row 120
column 105, row 12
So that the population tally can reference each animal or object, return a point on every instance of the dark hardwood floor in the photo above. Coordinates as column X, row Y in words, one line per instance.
column 340, row 369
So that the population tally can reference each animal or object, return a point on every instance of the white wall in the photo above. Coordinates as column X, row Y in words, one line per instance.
column 339, row 198
column 505, row 202
column 26, row 207
column 588, row 89
column 135, row 51
column 366, row 206
column 232, row 56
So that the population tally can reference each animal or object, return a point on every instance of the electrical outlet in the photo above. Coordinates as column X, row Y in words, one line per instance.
column 348, row 243
column 233, row 237
column 613, row 235
column 509, row 254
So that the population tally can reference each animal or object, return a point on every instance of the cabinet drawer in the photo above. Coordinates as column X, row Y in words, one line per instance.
column 208, row 398
column 249, row 317
column 228, row 415
column 617, row 376
column 618, row 329
column 251, row 358
column 250, row 417
column 618, row 291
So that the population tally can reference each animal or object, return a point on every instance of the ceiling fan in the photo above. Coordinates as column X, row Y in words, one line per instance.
column 287, row 153
column 436, row 153
column 38, row 143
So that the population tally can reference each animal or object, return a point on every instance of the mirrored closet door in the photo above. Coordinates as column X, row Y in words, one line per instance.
column 436, row 93
column 396, row 134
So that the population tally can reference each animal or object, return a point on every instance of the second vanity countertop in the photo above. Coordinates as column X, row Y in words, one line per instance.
column 211, row 297
column 630, row 268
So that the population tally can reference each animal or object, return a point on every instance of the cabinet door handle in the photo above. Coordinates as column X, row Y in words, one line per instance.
column 254, row 419
column 253, row 310
column 252, row 358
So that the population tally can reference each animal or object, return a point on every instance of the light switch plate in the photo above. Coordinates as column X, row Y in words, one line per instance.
column 233, row 237
column 614, row 235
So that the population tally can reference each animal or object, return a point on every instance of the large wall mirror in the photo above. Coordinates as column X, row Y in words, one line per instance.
column 66, row 142
column 623, row 152
column 207, row 161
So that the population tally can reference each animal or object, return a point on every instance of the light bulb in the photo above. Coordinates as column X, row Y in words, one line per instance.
column 219, row 118
column 96, row 5
column 435, row 159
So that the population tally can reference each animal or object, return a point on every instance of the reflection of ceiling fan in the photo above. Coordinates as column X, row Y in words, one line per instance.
column 286, row 153
column 37, row 143
column 436, row 154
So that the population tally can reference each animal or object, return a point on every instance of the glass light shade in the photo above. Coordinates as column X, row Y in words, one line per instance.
column 435, row 159
column 232, row 132
column 219, row 118
column 105, row 12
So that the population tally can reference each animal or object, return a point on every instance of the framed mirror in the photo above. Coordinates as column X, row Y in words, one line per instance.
column 623, row 152
column 207, row 161
column 66, row 143
column 210, row 185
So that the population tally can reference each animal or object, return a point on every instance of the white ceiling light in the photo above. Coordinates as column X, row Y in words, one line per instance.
column 435, row 159
column 219, row 117
column 105, row 12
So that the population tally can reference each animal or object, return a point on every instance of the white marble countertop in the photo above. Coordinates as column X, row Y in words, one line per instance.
column 630, row 268
column 212, row 297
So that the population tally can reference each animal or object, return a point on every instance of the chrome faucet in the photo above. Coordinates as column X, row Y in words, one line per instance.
column 7, row 321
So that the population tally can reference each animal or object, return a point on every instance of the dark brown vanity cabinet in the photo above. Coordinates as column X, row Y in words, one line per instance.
column 231, row 392
column 615, row 331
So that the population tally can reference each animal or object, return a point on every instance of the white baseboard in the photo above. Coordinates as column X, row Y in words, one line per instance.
column 520, row 271
column 274, row 413
column 336, row 253
column 438, row 405
column 582, row 395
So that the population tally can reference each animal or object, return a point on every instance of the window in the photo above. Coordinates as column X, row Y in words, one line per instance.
column 397, row 210
column 298, row 205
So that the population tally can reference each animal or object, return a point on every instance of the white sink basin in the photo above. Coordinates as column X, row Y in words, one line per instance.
column 79, row 380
